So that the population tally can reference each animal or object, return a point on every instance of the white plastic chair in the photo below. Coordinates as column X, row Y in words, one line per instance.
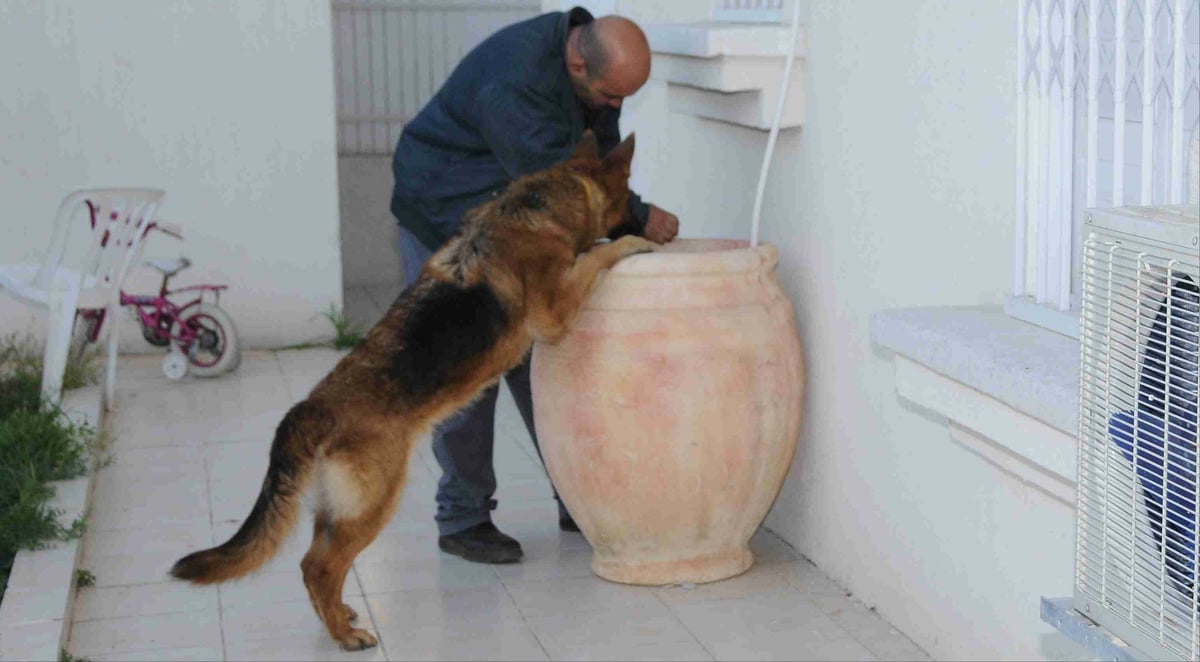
column 96, row 238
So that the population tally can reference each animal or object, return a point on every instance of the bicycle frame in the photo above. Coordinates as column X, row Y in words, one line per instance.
column 158, row 312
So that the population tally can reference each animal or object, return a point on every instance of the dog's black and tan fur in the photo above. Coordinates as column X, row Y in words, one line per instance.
column 518, row 271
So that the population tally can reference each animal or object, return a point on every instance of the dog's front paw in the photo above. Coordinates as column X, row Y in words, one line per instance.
column 632, row 245
column 356, row 640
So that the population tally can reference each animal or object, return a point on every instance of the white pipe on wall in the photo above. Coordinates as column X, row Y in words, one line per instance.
column 783, row 90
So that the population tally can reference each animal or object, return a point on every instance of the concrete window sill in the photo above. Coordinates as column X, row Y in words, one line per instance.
column 729, row 72
column 1009, row 389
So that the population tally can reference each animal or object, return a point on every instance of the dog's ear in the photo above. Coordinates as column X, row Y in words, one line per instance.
column 621, row 155
column 587, row 148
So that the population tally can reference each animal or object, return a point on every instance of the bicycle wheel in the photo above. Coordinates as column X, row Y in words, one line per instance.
column 82, row 354
column 215, row 350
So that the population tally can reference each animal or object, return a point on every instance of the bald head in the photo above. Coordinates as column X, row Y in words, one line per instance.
column 608, row 60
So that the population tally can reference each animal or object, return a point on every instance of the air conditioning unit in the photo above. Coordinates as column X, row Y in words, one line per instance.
column 1136, row 565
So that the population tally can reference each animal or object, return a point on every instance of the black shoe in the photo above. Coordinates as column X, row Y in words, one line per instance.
column 567, row 523
column 482, row 543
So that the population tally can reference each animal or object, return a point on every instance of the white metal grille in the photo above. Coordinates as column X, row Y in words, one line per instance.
column 748, row 11
column 1108, row 98
column 1136, row 569
column 391, row 56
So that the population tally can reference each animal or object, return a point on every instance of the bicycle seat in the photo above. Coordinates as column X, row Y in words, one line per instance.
column 170, row 267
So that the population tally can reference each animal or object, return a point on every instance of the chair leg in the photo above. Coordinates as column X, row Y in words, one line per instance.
column 113, row 316
column 58, row 343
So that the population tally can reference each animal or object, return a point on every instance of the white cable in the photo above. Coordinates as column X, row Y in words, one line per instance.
column 766, row 164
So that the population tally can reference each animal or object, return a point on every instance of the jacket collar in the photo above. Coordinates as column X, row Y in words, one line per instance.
column 569, row 19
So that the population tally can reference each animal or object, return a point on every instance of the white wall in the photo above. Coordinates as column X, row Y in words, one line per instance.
column 898, row 191
column 228, row 106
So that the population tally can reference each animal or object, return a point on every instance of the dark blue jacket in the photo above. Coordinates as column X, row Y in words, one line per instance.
column 507, row 110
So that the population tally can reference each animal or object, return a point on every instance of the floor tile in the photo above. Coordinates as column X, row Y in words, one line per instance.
column 186, row 507
column 558, row 596
column 132, row 569
column 41, row 568
column 399, row 547
column 30, row 605
column 808, row 578
column 779, row 625
column 167, row 540
column 546, row 557
column 312, row 645
column 512, row 640
column 278, row 620
column 258, row 363
column 444, row 573
column 156, row 501
column 258, row 427
column 137, row 372
column 273, row 588
column 101, row 602
column 200, row 629
column 470, row 612
column 873, row 632
column 636, row 633
column 536, row 521
column 759, row 579
column 29, row 640
column 195, row 654
column 300, row 386
column 189, row 458
column 317, row 361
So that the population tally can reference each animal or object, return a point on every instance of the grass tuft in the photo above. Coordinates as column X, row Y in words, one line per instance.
column 347, row 334
column 84, row 578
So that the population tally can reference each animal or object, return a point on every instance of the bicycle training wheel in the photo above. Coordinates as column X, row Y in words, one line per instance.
column 215, row 350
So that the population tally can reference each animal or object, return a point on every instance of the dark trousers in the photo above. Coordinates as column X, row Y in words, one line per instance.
column 463, row 444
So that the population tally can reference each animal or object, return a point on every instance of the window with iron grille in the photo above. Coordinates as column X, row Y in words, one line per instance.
column 1108, row 101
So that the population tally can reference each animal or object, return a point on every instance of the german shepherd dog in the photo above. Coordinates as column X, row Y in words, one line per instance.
column 518, row 270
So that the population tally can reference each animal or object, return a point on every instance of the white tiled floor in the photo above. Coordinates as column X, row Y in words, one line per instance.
column 188, row 461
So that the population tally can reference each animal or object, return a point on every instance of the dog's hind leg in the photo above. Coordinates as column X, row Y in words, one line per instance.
column 359, row 507
column 322, row 530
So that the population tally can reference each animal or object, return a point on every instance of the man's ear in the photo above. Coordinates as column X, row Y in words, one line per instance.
column 621, row 155
column 587, row 147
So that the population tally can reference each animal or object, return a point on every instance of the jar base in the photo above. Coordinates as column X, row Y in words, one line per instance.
column 697, row 570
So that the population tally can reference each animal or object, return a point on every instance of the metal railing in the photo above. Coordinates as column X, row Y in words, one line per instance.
column 391, row 56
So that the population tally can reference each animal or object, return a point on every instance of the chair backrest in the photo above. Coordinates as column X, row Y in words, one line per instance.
column 117, row 219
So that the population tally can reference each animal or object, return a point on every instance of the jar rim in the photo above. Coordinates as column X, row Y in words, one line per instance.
column 695, row 256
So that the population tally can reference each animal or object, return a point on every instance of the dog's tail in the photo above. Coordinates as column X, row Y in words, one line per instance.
column 293, row 455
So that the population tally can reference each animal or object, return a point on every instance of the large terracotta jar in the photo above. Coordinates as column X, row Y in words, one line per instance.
column 668, row 416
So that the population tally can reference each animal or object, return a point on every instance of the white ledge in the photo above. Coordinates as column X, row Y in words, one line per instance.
column 713, row 39
column 1009, row 390
column 1030, row 369
column 729, row 72
column 35, row 616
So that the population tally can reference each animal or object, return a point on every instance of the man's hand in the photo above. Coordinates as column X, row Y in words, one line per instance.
column 661, row 226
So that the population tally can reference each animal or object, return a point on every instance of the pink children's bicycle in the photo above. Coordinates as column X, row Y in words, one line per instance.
column 201, row 337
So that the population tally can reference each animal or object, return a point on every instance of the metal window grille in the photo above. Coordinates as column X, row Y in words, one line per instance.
column 1136, row 568
column 391, row 56
column 748, row 11
column 1108, row 97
